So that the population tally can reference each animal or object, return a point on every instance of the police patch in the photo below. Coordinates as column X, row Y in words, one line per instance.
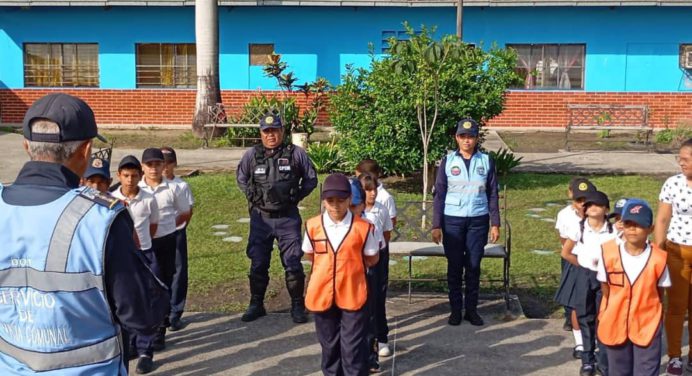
column 260, row 170
column 456, row 170
column 97, row 162
column 284, row 164
column 467, row 125
column 269, row 120
column 480, row 170
column 621, row 203
column 583, row 186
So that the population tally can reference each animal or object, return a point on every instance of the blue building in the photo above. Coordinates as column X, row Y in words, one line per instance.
column 122, row 55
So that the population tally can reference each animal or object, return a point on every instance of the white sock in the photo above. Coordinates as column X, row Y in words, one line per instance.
column 578, row 343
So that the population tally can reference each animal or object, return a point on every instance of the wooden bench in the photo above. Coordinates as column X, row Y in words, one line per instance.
column 608, row 117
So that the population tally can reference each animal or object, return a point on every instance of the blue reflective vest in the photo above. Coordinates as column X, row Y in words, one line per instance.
column 466, row 193
column 54, row 314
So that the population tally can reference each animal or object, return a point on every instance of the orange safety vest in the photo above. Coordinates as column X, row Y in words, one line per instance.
column 631, row 311
column 337, row 277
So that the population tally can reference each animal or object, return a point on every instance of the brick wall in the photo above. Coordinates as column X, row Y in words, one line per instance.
column 175, row 107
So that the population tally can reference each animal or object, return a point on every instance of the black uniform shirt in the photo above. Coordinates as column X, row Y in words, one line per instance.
column 136, row 298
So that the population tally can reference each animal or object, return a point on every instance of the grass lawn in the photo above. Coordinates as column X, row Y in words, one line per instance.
column 218, row 269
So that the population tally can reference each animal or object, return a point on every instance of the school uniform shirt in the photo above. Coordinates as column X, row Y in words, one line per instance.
column 567, row 220
column 633, row 266
column 379, row 216
column 144, row 212
column 187, row 192
column 336, row 232
column 170, row 200
column 588, row 251
column 676, row 193
column 386, row 199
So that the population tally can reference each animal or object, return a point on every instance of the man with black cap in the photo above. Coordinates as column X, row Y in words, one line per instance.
column 340, row 246
column 98, row 175
column 70, row 252
column 275, row 178
column 465, row 207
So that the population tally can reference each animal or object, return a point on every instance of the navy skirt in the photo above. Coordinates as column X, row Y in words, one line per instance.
column 565, row 293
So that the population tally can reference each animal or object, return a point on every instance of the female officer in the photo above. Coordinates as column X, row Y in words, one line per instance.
column 464, row 206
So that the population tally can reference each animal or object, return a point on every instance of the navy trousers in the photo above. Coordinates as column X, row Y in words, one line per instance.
column 343, row 338
column 464, row 240
column 587, row 315
column 179, row 282
column 631, row 360
column 263, row 231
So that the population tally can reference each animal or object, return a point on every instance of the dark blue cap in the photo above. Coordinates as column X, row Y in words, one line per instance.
column 638, row 212
column 336, row 185
column 357, row 192
column 152, row 154
column 624, row 202
column 467, row 126
column 129, row 161
column 98, row 166
column 581, row 187
column 72, row 115
column 270, row 121
column 169, row 154
column 597, row 198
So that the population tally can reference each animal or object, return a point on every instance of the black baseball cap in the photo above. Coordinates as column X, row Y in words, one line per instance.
column 597, row 198
column 74, row 118
column 336, row 185
column 169, row 154
column 467, row 126
column 580, row 187
column 98, row 166
column 129, row 161
column 152, row 154
column 639, row 213
column 270, row 121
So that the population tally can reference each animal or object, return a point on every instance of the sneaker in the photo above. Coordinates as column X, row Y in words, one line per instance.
column 144, row 365
column 474, row 318
column 383, row 349
column 576, row 353
column 674, row 367
column 587, row 370
column 455, row 317
column 176, row 324
column 567, row 326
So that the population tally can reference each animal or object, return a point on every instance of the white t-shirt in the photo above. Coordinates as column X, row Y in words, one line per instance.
column 379, row 216
column 170, row 200
column 187, row 192
column 144, row 212
column 588, row 250
column 384, row 198
column 677, row 193
column 567, row 220
column 336, row 232
column 633, row 266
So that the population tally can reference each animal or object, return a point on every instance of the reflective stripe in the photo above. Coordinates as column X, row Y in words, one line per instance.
column 462, row 186
column 40, row 361
column 56, row 261
column 49, row 281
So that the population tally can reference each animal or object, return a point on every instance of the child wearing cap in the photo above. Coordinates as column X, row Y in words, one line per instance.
column 582, row 249
column 145, row 215
column 174, row 210
column 633, row 274
column 567, row 221
column 98, row 175
column 616, row 215
column 180, row 280
column 340, row 246
column 385, row 202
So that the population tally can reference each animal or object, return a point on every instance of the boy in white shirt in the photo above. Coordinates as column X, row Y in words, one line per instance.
column 174, row 210
column 180, row 277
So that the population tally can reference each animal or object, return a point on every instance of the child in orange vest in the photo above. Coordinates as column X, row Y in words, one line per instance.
column 340, row 246
column 633, row 273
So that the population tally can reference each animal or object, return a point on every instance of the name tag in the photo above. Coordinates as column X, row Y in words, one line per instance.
column 284, row 165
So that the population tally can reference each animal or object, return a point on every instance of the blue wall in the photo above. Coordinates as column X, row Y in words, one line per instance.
column 627, row 48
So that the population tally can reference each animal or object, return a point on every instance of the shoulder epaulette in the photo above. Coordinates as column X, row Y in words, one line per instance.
column 103, row 199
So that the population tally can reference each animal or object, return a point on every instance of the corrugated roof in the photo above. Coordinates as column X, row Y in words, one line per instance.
column 351, row 3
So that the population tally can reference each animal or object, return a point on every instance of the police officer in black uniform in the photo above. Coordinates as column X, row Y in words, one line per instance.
column 53, row 126
column 274, row 178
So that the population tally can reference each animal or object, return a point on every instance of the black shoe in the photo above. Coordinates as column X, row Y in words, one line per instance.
column 455, row 317
column 298, row 311
column 255, row 310
column 576, row 354
column 145, row 365
column 587, row 370
column 473, row 318
column 176, row 324
column 374, row 366
column 567, row 326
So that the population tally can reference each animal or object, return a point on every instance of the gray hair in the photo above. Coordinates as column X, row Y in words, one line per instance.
column 58, row 152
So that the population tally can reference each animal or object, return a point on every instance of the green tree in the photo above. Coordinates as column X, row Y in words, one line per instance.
column 402, row 110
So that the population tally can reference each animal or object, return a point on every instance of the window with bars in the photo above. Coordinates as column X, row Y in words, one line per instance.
column 166, row 65
column 398, row 35
column 61, row 65
column 550, row 66
column 260, row 53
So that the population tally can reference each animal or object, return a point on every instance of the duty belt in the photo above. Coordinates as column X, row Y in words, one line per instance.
column 275, row 214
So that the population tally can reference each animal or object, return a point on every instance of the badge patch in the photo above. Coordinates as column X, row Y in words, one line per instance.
column 480, row 170
column 260, row 170
column 284, row 164
column 98, row 163
column 467, row 125
column 269, row 120
column 456, row 170
column 583, row 186
column 621, row 203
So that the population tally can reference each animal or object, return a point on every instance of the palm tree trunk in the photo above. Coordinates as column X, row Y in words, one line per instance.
column 207, row 39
